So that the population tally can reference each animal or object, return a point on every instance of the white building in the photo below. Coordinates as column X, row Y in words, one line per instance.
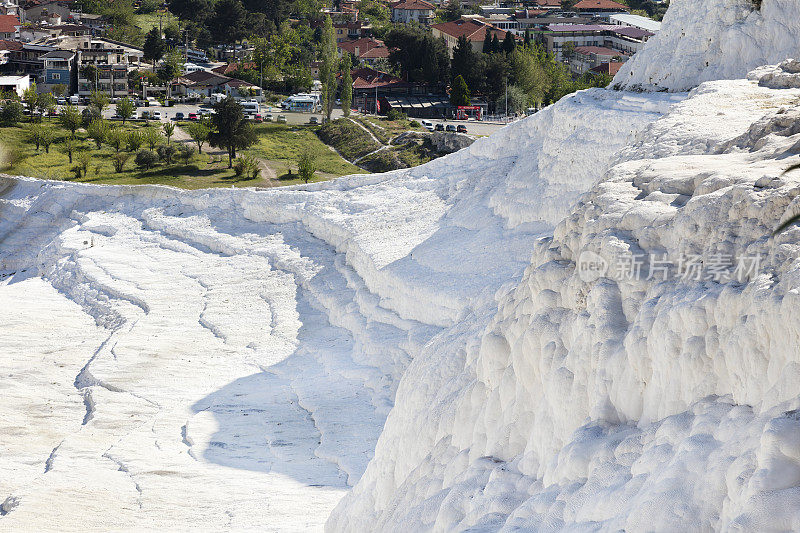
column 405, row 11
column 17, row 84
column 635, row 21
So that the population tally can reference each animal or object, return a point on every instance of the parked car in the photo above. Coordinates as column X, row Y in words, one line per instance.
column 461, row 128
column 439, row 127
column 257, row 118
column 282, row 119
column 61, row 101
column 268, row 117
column 156, row 115
column 193, row 116
column 450, row 127
column 145, row 115
column 179, row 116
column 313, row 120
column 428, row 125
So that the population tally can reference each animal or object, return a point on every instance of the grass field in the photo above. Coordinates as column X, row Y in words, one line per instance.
column 150, row 20
column 282, row 145
column 279, row 147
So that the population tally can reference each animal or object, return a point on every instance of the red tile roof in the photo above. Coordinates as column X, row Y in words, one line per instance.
column 233, row 67
column 8, row 23
column 10, row 45
column 367, row 78
column 413, row 4
column 367, row 47
column 549, row 4
column 472, row 29
column 608, row 68
column 603, row 5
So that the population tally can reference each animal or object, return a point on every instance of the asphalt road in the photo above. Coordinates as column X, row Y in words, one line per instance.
column 168, row 113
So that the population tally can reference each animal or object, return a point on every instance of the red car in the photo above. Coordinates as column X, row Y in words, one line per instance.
column 193, row 116
column 258, row 118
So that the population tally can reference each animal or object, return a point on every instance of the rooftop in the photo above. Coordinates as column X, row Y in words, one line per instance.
column 600, row 5
column 597, row 50
column 413, row 4
column 472, row 29
column 637, row 21
column 8, row 23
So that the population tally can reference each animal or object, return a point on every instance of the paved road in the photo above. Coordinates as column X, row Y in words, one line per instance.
column 168, row 113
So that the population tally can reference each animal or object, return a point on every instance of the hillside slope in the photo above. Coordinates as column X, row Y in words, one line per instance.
column 227, row 358
column 659, row 396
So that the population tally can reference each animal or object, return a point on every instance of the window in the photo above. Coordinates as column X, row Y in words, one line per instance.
column 55, row 76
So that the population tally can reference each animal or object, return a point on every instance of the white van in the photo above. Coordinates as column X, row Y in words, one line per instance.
column 250, row 107
column 74, row 99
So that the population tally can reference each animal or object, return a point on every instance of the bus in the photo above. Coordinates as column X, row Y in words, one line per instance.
column 250, row 107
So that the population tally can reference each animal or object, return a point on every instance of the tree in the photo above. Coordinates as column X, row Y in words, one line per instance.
column 459, row 93
column 11, row 113
column 146, row 159
column 30, row 97
column 70, row 118
column 231, row 131
column 99, row 101
column 169, row 130
column 421, row 57
column 134, row 140
column 496, row 46
column 89, row 72
column 509, row 43
column 153, row 46
column 152, row 137
column 171, row 67
column 527, row 41
column 45, row 103
column 115, row 138
column 69, row 147
column 34, row 135
column 98, row 131
column 119, row 161
column 327, row 71
column 59, row 89
column 125, row 109
column 453, row 11
column 305, row 166
column 464, row 62
column 567, row 5
column 48, row 137
column 347, row 86
column 568, row 51
column 228, row 22
column 487, row 42
column 199, row 133
column 84, row 158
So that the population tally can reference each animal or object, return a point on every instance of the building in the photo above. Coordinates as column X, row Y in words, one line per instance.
column 228, row 68
column 18, row 84
column 46, row 12
column 26, row 58
column 406, row 11
column 366, row 50
column 473, row 30
column 349, row 31
column 371, row 86
column 10, row 7
column 635, row 21
column 586, row 58
column 9, row 26
column 600, row 8
column 104, row 64
column 624, row 39
column 60, row 68
column 609, row 69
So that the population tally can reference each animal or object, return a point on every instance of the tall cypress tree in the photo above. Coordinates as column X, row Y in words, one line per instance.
column 327, row 71
column 487, row 42
column 495, row 44
column 347, row 85
column 509, row 43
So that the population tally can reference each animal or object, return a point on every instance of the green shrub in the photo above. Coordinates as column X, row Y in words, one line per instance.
column 185, row 152
column 134, row 140
column 394, row 114
column 11, row 113
column 146, row 159
column 119, row 160
column 166, row 152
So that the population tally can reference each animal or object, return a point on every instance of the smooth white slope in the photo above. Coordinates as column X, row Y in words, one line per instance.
column 713, row 40
column 225, row 359
column 621, row 404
